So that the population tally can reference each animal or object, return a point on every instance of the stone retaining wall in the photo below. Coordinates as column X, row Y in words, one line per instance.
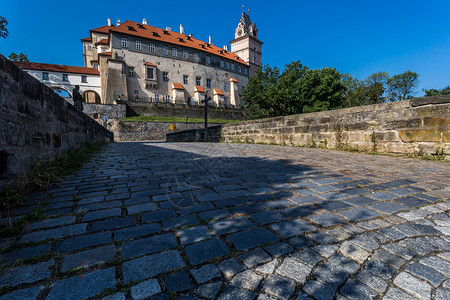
column 196, row 135
column 147, row 131
column 37, row 123
column 411, row 126
column 178, row 110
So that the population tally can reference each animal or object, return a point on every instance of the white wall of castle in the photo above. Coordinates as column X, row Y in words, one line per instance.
column 176, row 67
column 55, row 80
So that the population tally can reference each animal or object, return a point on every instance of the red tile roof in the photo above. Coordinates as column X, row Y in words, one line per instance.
column 55, row 68
column 233, row 80
column 199, row 88
column 88, row 39
column 103, row 29
column 149, row 64
column 102, row 42
column 174, row 38
column 177, row 86
column 105, row 53
column 218, row 92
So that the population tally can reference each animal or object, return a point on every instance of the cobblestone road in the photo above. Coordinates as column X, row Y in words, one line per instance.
column 235, row 221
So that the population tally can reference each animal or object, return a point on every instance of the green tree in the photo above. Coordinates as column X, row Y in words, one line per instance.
column 402, row 86
column 376, row 85
column 322, row 89
column 258, row 94
column 436, row 92
column 356, row 91
column 18, row 57
column 296, row 90
column 3, row 30
column 287, row 91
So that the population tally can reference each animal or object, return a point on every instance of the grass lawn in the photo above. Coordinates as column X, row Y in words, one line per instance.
column 175, row 120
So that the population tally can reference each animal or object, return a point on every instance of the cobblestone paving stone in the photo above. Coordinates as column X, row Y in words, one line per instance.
column 235, row 221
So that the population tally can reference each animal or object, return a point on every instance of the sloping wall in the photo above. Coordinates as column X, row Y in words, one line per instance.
column 418, row 125
column 37, row 123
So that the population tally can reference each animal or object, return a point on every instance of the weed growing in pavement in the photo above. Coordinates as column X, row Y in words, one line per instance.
column 44, row 173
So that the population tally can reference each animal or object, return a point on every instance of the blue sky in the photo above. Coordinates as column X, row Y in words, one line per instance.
column 356, row 37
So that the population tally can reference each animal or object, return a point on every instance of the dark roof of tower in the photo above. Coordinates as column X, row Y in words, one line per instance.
column 245, row 19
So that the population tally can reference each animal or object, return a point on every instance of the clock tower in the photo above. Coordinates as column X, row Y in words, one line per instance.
column 246, row 43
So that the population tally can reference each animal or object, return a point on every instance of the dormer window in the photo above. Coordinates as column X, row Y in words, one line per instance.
column 201, row 45
column 165, row 32
column 131, row 28
column 154, row 33
column 188, row 37
column 180, row 40
column 140, row 26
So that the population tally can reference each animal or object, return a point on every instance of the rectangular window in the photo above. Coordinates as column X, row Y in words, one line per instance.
column 196, row 57
column 167, row 98
column 45, row 76
column 239, row 69
column 245, row 71
column 221, row 63
column 89, row 47
column 165, row 77
column 95, row 65
column 152, row 47
column 83, row 79
column 226, row 86
column 174, row 51
column 208, row 60
column 165, row 50
column 65, row 77
column 149, row 73
column 131, row 72
column 124, row 42
column 208, row 82
column 138, row 45
column 228, row 65
column 185, row 54
column 198, row 80
column 136, row 92
column 185, row 79
column 156, row 98
column 232, row 67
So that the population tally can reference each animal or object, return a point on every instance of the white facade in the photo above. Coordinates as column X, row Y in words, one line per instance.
column 55, row 81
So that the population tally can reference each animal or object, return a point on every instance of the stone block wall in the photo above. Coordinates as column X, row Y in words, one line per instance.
column 36, row 123
column 196, row 135
column 411, row 126
column 178, row 110
column 147, row 131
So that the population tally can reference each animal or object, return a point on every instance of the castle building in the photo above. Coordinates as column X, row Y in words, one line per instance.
column 137, row 61
column 61, row 77
column 246, row 43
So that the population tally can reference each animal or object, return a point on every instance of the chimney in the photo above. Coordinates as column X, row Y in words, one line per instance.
column 225, row 47
column 144, row 21
column 181, row 29
column 109, row 22
column 118, row 22
column 168, row 28
column 210, row 40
